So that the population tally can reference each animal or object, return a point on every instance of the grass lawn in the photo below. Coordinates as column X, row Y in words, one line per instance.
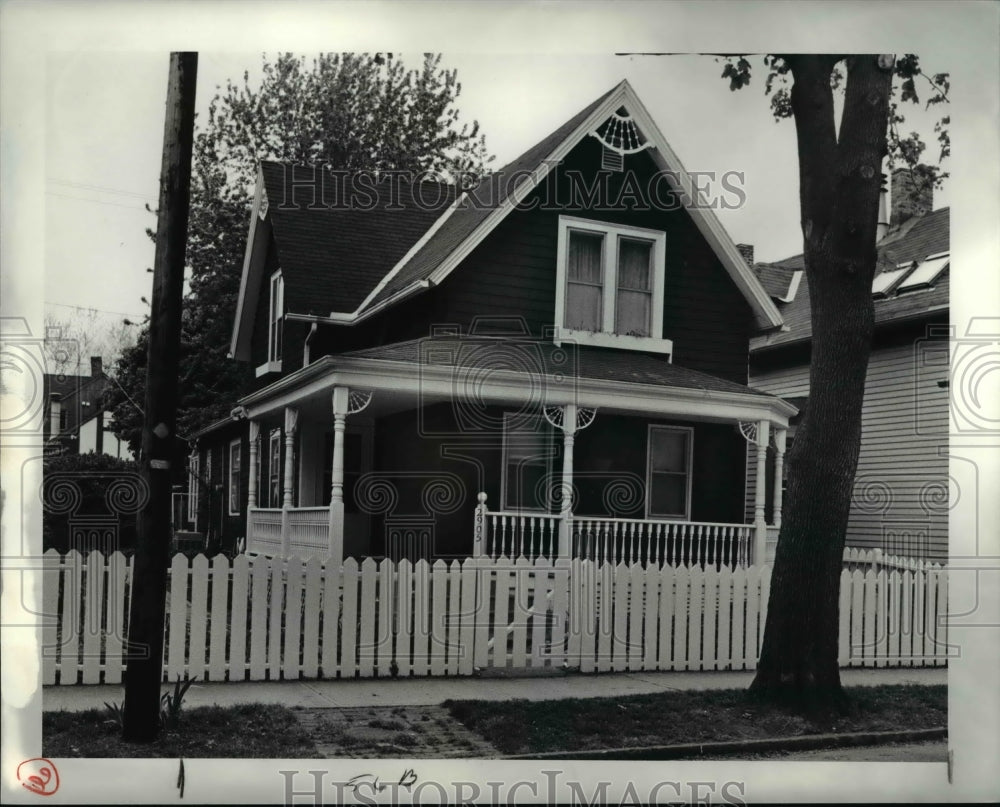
column 248, row 730
column 525, row 727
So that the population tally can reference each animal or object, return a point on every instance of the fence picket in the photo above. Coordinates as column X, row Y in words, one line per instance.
column 521, row 598
column 219, row 620
column 237, row 662
column 349, row 620
column 386, row 610
column 290, row 667
column 895, row 581
column 366, row 621
column 681, row 610
column 177, row 604
column 113, row 663
column 560, row 620
column 844, row 612
column 501, row 613
column 484, row 612
column 723, row 635
column 310, row 626
column 404, row 618
column 651, row 584
column 906, row 620
column 941, row 619
column 258, row 618
column 276, row 607
column 197, row 619
column 871, row 606
column 739, row 629
column 881, row 637
column 439, row 617
column 664, row 655
column 696, row 610
column 468, row 615
column 636, row 606
column 52, row 583
column 421, row 617
column 69, row 619
column 92, row 625
column 857, row 617
column 709, row 654
column 765, row 598
column 752, row 615
column 584, row 625
column 619, row 639
column 919, row 595
column 540, row 605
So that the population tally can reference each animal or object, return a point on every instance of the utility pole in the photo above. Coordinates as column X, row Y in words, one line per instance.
column 149, row 579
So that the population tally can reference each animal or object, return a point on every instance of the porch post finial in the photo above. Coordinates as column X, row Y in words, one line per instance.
column 341, row 406
column 566, row 488
column 779, row 472
column 760, row 526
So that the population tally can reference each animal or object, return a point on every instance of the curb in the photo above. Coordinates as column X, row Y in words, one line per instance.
column 796, row 743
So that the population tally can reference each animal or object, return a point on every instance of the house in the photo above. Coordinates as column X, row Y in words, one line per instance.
column 75, row 420
column 901, row 491
column 436, row 367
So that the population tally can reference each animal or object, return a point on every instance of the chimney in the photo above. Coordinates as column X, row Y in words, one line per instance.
column 912, row 194
column 883, row 212
column 746, row 250
column 96, row 367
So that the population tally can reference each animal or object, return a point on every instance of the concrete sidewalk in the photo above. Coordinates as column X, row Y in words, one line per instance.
column 433, row 691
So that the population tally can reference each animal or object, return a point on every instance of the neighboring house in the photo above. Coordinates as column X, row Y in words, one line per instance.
column 435, row 367
column 75, row 420
column 901, row 492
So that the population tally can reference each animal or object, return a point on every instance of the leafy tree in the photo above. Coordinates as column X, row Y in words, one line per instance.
column 840, row 175
column 341, row 111
column 72, row 338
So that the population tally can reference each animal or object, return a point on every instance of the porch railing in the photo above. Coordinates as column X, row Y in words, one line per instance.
column 310, row 531
column 264, row 531
column 615, row 540
column 674, row 543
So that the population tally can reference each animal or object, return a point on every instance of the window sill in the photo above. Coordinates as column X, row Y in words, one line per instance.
column 268, row 367
column 649, row 344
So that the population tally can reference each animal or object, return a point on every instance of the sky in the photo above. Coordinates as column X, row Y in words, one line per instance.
column 104, row 127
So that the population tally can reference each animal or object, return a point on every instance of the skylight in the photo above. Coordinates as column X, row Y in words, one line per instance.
column 886, row 280
column 925, row 275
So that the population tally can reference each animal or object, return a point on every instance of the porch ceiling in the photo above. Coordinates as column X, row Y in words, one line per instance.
column 499, row 372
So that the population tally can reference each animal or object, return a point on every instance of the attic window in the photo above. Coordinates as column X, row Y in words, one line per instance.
column 275, row 319
column 609, row 285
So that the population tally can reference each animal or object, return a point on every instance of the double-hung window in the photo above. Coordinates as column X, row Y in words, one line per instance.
column 194, row 486
column 528, row 451
column 610, row 285
column 235, row 456
column 668, row 477
column 275, row 322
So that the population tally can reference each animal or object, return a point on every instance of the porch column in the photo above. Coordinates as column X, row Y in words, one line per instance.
column 341, row 402
column 254, row 449
column 779, row 470
column 291, row 424
column 566, row 496
column 760, row 526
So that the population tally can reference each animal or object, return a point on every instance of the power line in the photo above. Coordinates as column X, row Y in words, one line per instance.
column 101, row 188
column 93, row 201
column 91, row 308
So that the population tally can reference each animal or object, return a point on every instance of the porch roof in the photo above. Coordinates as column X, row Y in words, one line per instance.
column 504, row 369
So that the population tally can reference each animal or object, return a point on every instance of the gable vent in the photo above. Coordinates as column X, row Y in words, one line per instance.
column 612, row 160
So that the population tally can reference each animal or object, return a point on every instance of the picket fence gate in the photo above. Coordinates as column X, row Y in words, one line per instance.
column 271, row 619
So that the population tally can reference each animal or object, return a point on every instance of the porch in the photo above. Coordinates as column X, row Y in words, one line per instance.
column 371, row 456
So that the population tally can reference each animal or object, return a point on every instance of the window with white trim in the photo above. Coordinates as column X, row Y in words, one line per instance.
column 235, row 457
column 668, row 472
column 194, row 488
column 274, row 470
column 610, row 281
column 275, row 317
column 528, row 452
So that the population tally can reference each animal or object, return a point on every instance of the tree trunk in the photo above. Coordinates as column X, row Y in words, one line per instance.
column 839, row 189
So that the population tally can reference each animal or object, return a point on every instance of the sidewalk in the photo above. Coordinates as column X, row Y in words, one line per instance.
column 433, row 691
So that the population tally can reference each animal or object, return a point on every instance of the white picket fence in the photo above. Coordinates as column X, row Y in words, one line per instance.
column 270, row 619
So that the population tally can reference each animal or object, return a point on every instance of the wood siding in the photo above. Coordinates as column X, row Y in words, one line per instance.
column 901, row 490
